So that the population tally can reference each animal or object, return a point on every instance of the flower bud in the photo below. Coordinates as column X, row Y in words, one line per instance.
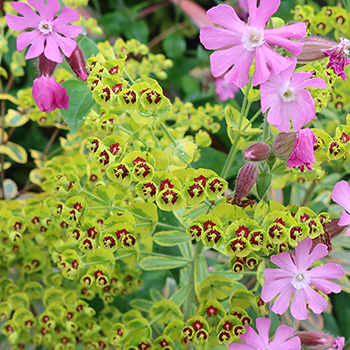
column 257, row 152
column 246, row 179
column 46, row 66
column 313, row 49
column 320, row 341
column 283, row 144
column 77, row 63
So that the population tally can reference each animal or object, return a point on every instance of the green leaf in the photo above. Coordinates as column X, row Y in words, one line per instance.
column 201, row 271
column 16, row 152
column 141, row 304
column 80, row 103
column 217, row 287
column 171, row 238
column 181, row 295
column 165, row 311
column 174, row 45
column 160, row 263
column 88, row 47
column 101, row 256
column 15, row 118
column 262, row 184
column 139, row 31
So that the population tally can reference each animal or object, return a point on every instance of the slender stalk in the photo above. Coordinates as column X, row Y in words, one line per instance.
column 266, row 129
column 154, row 137
column 167, row 132
column 251, row 121
column 129, row 77
column 308, row 194
column 50, row 142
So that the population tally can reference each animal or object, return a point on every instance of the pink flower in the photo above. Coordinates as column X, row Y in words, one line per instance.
column 49, row 94
column 239, row 44
column 224, row 90
column 320, row 341
column 254, row 341
column 296, row 278
column 338, row 57
column 286, row 97
column 303, row 152
column 341, row 195
column 50, row 34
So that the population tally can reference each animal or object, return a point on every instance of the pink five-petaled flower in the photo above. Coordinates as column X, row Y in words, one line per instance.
column 224, row 90
column 296, row 278
column 303, row 151
column 286, row 97
column 239, row 44
column 338, row 57
column 49, row 33
column 261, row 341
column 341, row 195
column 49, row 94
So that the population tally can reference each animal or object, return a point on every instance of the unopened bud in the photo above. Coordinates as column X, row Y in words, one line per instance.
column 257, row 152
column 313, row 49
column 320, row 341
column 77, row 63
column 46, row 66
column 246, row 179
column 283, row 144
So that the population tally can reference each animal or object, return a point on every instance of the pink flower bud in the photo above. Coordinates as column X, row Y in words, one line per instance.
column 313, row 49
column 46, row 66
column 246, row 179
column 49, row 94
column 257, row 152
column 283, row 144
column 320, row 341
column 77, row 63
column 303, row 151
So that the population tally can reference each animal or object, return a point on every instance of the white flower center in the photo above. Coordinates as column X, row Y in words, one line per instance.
column 287, row 94
column 252, row 38
column 301, row 280
column 45, row 27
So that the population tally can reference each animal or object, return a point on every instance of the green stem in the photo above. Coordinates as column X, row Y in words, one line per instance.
column 154, row 138
column 129, row 77
column 251, row 121
column 123, row 256
column 308, row 194
column 93, row 196
column 166, row 130
column 266, row 129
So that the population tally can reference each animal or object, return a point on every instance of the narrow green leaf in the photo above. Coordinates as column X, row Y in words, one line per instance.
column 171, row 238
column 181, row 295
column 157, row 263
column 141, row 304
column 262, row 184
column 80, row 103
column 201, row 271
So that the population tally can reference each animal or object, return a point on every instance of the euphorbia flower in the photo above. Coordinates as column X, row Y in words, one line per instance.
column 341, row 195
column 303, row 152
column 49, row 94
column 224, row 90
column 296, row 278
column 283, row 338
column 239, row 44
column 50, row 34
column 286, row 97
column 338, row 57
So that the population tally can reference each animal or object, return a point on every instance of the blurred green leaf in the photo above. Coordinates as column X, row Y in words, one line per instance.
column 174, row 45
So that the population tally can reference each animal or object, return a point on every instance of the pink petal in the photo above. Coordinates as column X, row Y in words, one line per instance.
column 348, row 232
column 27, row 38
column 239, row 74
column 277, row 118
column 272, row 288
column 325, row 286
column 344, row 219
column 291, row 344
column 258, row 16
column 263, row 327
column 252, row 338
column 68, row 31
column 284, row 261
column 37, row 47
column 316, row 301
column 66, row 45
column 319, row 252
column 316, row 83
column 226, row 16
column 298, row 308
column 48, row 11
column 269, row 97
column 282, row 302
column 341, row 194
column 298, row 79
column 261, row 72
column 66, row 16
column 301, row 110
column 26, row 11
column 294, row 47
column 295, row 31
column 282, row 334
column 273, row 274
column 51, row 49
column 276, row 62
column 19, row 23
column 301, row 255
column 330, row 270
column 236, row 346
column 216, row 38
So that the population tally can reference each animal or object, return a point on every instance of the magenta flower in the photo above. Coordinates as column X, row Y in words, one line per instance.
column 341, row 195
column 338, row 57
column 286, row 97
column 303, row 152
column 283, row 339
column 50, row 34
column 295, row 278
column 239, row 44
column 49, row 94
column 224, row 90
